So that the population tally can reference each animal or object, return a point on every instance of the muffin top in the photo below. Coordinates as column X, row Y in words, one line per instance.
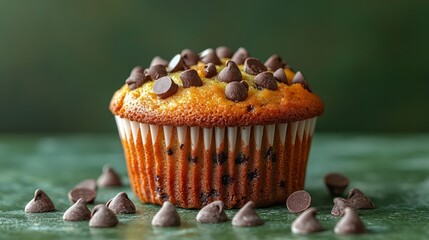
column 216, row 88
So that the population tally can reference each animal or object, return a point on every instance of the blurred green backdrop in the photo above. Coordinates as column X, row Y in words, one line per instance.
column 61, row 61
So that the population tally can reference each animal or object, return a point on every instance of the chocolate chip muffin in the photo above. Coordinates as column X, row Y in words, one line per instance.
column 216, row 125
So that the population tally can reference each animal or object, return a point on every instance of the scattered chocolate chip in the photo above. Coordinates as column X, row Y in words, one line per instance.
column 170, row 152
column 253, row 175
column 182, row 146
column 299, row 79
column 209, row 56
column 190, row 78
column 241, row 159
column 220, row 158
column 282, row 184
column 176, row 64
column 236, row 91
column 40, row 203
column 250, row 108
column 212, row 213
column 87, row 194
column 226, row 180
column 231, row 73
column 253, row 66
column 339, row 205
column 280, row 76
column 136, row 80
column 77, row 212
column 223, row 52
column 307, row 223
column 266, row 80
column 157, row 177
column 121, row 204
column 164, row 87
column 298, row 201
column 358, row 200
column 167, row 216
column 157, row 71
column 270, row 155
column 350, row 223
column 159, row 61
column 274, row 62
column 88, row 184
column 109, row 178
column 189, row 57
column 102, row 217
column 210, row 70
column 336, row 183
column 240, row 55
column 193, row 159
column 247, row 216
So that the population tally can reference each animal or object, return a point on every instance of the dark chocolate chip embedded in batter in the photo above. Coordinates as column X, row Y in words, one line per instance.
column 266, row 80
column 189, row 57
column 236, row 91
column 210, row 70
column 253, row 66
column 282, row 184
column 241, row 159
column 274, row 62
column 88, row 195
column 109, row 178
column 223, row 52
column 350, row 224
column 190, row 78
column 339, row 205
column 358, row 200
column 170, row 152
column 299, row 79
column 226, row 180
column 136, row 80
column 157, row 71
column 102, row 217
column 176, row 64
column 231, row 73
column 270, row 155
column 77, row 212
column 164, row 87
column 253, row 175
column 209, row 56
column 280, row 76
column 336, row 183
column 159, row 61
column 40, row 203
column 212, row 213
column 167, row 216
column 247, row 216
column 219, row 158
column 240, row 56
column 307, row 223
column 121, row 204
column 298, row 201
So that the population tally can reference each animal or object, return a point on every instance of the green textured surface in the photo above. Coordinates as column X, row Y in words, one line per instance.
column 392, row 170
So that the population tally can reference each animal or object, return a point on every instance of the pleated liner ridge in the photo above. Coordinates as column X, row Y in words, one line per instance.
column 193, row 166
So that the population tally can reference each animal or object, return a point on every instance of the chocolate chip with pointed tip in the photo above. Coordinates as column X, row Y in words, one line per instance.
column 299, row 79
column 274, row 62
column 223, row 52
column 253, row 66
column 87, row 194
column 236, row 91
column 336, row 183
column 109, row 178
column 212, row 213
column 209, row 56
column 350, row 224
column 176, row 64
column 280, row 76
column 245, row 84
column 189, row 57
column 164, row 87
column 40, row 203
column 102, row 217
column 121, row 204
column 136, row 80
column 157, row 71
column 266, row 80
column 339, row 205
column 167, row 216
column 298, row 201
column 190, row 78
column 247, row 216
column 358, row 200
column 240, row 55
column 88, row 184
column 210, row 70
column 307, row 223
column 230, row 73
column 77, row 212
column 158, row 61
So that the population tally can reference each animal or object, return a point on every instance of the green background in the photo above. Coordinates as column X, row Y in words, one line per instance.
column 61, row 61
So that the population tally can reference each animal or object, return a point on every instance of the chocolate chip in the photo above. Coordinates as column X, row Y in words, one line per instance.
column 109, row 178
column 170, row 152
column 193, row 159
column 336, row 183
column 253, row 66
column 182, row 146
column 280, row 76
column 231, row 73
column 274, row 62
column 159, row 61
column 210, row 70
column 40, row 203
column 87, row 194
column 266, row 80
column 298, row 201
column 77, row 212
column 236, row 91
column 245, row 84
column 87, row 184
column 250, row 108
column 176, row 64
column 307, row 223
column 358, row 200
column 121, row 204
column 282, row 184
column 247, row 216
column 136, row 80
column 190, row 78
column 167, row 216
column 241, row 159
column 220, row 158
column 157, row 71
column 339, row 205
column 164, row 87
column 299, row 79
column 189, row 57
column 270, row 155
column 253, row 175
column 350, row 224
column 226, row 180
column 102, row 217
column 209, row 56
column 223, row 52
column 240, row 55
column 212, row 213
